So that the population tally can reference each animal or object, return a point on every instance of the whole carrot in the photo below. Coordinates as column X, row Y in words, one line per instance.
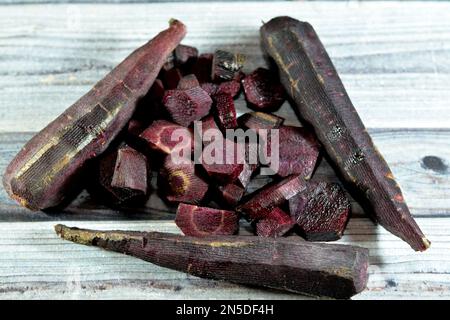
column 310, row 78
column 321, row 269
column 47, row 168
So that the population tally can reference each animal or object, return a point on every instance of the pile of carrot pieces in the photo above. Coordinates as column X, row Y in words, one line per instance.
column 212, row 197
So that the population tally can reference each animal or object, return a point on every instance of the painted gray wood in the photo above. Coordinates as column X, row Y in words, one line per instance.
column 392, row 57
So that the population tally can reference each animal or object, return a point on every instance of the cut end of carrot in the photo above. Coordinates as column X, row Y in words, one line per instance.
column 426, row 243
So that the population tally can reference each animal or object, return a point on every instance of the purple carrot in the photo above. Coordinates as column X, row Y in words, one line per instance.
column 160, row 136
column 298, row 152
column 186, row 106
column 321, row 211
column 263, row 201
column 333, row 270
column 202, row 221
column 276, row 224
column 313, row 83
column 231, row 194
column 262, row 90
column 45, row 171
column 180, row 182
column 188, row 82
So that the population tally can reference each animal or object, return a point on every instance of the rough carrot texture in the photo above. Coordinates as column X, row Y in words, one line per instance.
column 161, row 136
column 322, row 269
column 180, row 182
column 298, row 152
column 321, row 211
column 186, row 106
column 227, row 165
column 231, row 194
column 188, row 82
column 122, row 192
column 233, row 88
column 226, row 64
column 260, row 120
column 276, row 224
column 130, row 170
column 202, row 222
column 47, row 168
column 262, row 91
column 269, row 197
column 310, row 78
column 210, row 88
column 225, row 111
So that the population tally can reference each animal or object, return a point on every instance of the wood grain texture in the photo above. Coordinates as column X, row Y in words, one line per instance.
column 54, row 268
column 392, row 57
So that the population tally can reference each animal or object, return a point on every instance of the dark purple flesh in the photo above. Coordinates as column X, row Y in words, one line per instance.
column 202, row 67
column 186, row 106
column 157, row 90
column 226, row 167
column 263, row 201
column 171, row 78
column 159, row 136
column 202, row 221
column 262, row 91
column 321, row 211
column 210, row 88
column 180, row 182
column 232, row 87
column 276, row 224
column 105, row 168
column 183, row 55
column 130, row 170
column 225, row 111
column 208, row 122
column 150, row 108
column 225, row 65
column 188, row 82
column 298, row 151
column 231, row 194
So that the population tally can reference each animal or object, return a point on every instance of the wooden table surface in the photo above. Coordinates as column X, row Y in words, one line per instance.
column 393, row 58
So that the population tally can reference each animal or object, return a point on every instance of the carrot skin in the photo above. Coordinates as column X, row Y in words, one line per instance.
column 44, row 172
column 311, row 80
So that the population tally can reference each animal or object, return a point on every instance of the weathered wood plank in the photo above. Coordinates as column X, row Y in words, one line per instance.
column 35, row 263
column 426, row 188
column 392, row 57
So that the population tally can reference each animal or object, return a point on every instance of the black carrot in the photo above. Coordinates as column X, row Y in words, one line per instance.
column 337, row 271
column 311, row 80
column 47, row 168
